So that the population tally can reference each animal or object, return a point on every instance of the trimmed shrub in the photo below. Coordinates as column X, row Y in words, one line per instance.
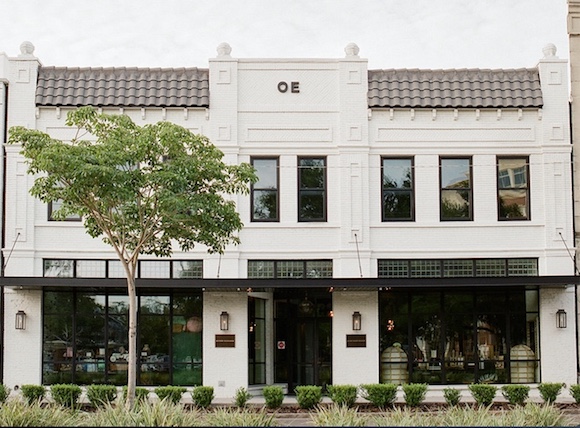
column 4, row 393
column 33, row 393
column 308, row 396
column 202, row 396
column 170, row 393
column 516, row 394
column 242, row 397
column 343, row 395
column 549, row 391
column 99, row 395
column 273, row 395
column 452, row 396
column 380, row 394
column 141, row 394
column 66, row 394
column 482, row 393
column 414, row 393
column 575, row 393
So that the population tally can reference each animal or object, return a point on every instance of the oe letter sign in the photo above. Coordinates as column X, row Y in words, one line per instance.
column 294, row 87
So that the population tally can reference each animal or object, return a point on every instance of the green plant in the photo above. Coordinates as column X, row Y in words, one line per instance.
column 237, row 417
column 483, row 393
column 17, row 413
column 516, row 394
column 170, row 393
column 33, row 393
column 308, row 396
column 343, row 395
column 4, row 393
column 549, row 391
column 337, row 415
column 414, row 393
column 66, row 394
column 273, row 396
column 380, row 394
column 242, row 397
column 575, row 392
column 99, row 395
column 452, row 396
column 141, row 394
column 202, row 396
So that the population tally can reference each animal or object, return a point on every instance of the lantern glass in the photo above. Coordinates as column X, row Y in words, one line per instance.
column 224, row 321
column 356, row 321
column 20, row 322
column 561, row 318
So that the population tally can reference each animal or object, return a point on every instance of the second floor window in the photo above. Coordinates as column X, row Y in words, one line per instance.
column 513, row 197
column 397, row 189
column 456, row 189
column 311, row 189
column 55, row 206
column 265, row 191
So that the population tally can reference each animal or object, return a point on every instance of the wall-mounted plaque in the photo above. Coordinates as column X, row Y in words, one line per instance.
column 356, row 340
column 225, row 340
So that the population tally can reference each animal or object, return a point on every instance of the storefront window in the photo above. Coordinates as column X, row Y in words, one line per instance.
column 85, row 338
column 460, row 336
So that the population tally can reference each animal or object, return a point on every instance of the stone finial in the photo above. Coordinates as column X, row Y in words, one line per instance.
column 351, row 50
column 26, row 49
column 549, row 51
column 224, row 50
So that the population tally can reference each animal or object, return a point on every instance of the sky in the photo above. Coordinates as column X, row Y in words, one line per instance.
column 185, row 33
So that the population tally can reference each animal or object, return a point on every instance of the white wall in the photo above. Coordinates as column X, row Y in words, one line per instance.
column 226, row 369
column 355, row 366
column 22, row 348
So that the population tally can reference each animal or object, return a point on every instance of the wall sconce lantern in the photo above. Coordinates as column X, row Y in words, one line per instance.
column 20, row 322
column 224, row 321
column 356, row 321
column 561, row 318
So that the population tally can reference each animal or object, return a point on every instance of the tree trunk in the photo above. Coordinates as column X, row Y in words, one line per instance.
column 132, row 363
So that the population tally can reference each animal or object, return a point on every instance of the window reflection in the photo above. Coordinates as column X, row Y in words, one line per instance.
column 95, row 350
column 459, row 337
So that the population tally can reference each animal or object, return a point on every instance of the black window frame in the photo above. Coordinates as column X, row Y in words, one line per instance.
column 443, row 189
column 276, row 218
column 51, row 210
column 500, row 187
column 302, row 191
column 398, row 190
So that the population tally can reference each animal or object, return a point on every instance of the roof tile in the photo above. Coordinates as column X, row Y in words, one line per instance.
column 455, row 88
column 123, row 87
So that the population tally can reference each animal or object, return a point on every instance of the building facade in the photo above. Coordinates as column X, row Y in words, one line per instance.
column 407, row 226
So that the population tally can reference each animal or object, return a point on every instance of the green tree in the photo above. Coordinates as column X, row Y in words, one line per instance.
column 143, row 190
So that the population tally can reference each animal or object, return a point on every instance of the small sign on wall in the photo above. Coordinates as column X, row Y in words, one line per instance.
column 356, row 340
column 225, row 340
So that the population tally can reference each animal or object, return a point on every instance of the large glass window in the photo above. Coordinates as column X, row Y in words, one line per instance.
column 456, row 189
column 397, row 189
column 513, row 192
column 459, row 336
column 456, row 268
column 85, row 337
column 311, row 189
column 289, row 268
column 72, row 268
column 265, row 191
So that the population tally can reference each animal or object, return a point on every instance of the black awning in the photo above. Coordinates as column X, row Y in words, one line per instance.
column 336, row 283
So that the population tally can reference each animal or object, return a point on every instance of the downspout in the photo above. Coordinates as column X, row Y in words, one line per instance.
column 3, row 138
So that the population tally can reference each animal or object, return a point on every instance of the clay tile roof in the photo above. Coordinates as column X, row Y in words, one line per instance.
column 461, row 88
column 123, row 87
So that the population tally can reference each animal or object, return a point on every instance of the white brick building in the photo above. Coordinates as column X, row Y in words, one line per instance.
column 435, row 204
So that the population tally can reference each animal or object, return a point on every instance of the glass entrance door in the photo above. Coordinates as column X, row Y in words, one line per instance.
column 303, row 338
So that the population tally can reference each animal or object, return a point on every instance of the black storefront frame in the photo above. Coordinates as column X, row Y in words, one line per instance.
column 107, row 293
column 476, row 312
